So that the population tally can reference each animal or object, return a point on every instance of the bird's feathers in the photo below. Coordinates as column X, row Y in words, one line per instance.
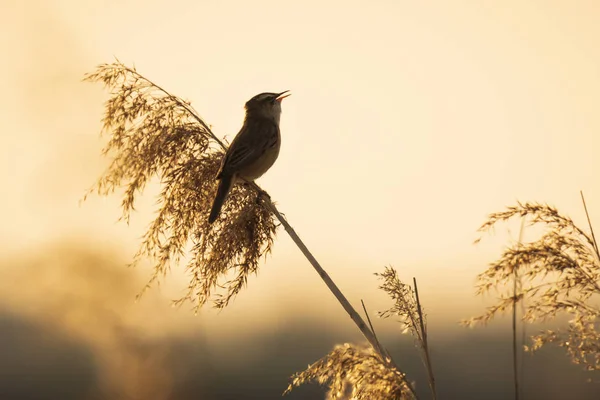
column 257, row 136
column 224, row 187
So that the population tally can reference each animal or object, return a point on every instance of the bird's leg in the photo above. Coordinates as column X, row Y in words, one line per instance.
column 261, row 194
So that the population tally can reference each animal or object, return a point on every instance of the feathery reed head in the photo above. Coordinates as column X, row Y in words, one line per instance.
column 156, row 135
column 557, row 273
column 355, row 372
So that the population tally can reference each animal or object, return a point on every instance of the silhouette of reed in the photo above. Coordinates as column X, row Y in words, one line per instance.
column 354, row 372
column 559, row 273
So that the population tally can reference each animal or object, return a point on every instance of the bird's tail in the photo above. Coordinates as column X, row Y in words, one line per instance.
column 224, row 187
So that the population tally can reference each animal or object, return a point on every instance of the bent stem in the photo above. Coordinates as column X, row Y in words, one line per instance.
column 354, row 315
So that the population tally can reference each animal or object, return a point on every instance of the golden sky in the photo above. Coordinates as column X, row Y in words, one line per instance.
column 409, row 122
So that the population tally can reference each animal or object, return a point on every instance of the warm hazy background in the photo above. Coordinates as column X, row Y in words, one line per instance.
column 409, row 123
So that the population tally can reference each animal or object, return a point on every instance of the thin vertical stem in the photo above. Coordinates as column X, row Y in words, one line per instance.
column 514, row 332
column 368, row 318
column 590, row 224
column 514, row 318
column 425, row 343
column 595, row 245
column 387, row 354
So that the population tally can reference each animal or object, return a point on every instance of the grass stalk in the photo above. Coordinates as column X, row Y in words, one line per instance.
column 428, row 363
column 514, row 318
column 590, row 225
column 373, row 329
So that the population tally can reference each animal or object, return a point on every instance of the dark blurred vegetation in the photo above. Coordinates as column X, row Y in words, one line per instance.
column 42, row 359
column 38, row 363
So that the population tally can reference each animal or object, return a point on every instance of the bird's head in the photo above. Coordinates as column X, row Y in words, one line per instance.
column 266, row 105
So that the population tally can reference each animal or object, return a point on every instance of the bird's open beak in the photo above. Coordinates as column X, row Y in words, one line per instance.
column 281, row 97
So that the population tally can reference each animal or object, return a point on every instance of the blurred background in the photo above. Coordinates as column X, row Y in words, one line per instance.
column 409, row 123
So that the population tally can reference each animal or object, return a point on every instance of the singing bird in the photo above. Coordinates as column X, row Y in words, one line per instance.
column 254, row 149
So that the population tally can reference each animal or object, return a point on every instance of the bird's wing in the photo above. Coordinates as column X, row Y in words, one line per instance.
column 255, row 137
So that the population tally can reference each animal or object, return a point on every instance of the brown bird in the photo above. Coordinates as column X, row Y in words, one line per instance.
column 254, row 149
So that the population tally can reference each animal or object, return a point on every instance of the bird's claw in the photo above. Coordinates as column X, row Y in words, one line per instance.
column 262, row 195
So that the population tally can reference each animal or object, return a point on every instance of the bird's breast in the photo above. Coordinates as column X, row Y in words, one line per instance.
column 262, row 165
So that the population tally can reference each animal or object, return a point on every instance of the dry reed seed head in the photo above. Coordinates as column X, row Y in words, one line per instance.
column 351, row 371
column 559, row 273
column 564, row 249
column 405, row 304
column 155, row 135
column 581, row 340
column 536, row 214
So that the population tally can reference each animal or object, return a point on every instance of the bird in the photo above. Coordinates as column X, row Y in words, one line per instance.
column 254, row 149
